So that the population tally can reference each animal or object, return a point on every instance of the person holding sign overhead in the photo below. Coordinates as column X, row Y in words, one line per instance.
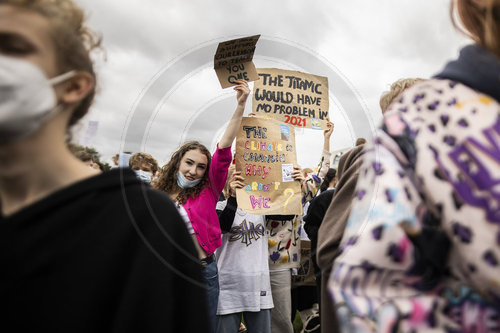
column 194, row 179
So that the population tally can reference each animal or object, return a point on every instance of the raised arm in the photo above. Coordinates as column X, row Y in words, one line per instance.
column 313, row 180
column 327, row 135
column 232, row 128
column 324, row 163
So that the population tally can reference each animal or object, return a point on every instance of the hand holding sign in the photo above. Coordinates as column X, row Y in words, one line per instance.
column 242, row 90
column 236, row 182
column 329, row 129
column 298, row 175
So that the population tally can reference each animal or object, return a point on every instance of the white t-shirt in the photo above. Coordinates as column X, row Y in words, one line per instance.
column 243, row 266
column 185, row 218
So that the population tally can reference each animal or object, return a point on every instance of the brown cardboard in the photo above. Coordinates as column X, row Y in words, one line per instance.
column 292, row 97
column 233, row 60
column 265, row 153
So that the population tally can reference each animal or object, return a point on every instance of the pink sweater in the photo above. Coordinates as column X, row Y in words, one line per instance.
column 201, row 210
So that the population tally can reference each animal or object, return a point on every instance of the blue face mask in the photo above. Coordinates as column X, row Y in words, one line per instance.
column 143, row 175
column 184, row 183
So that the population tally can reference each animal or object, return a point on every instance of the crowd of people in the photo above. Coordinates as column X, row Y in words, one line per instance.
column 404, row 233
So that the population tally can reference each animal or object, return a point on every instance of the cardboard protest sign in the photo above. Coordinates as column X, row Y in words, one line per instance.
column 265, row 155
column 295, row 98
column 233, row 61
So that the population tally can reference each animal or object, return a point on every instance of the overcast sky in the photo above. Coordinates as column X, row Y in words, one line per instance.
column 168, row 44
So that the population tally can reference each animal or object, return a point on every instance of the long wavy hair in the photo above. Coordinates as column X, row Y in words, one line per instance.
column 167, row 180
column 480, row 21
column 327, row 180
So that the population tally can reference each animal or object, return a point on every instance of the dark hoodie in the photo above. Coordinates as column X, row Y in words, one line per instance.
column 107, row 254
column 476, row 68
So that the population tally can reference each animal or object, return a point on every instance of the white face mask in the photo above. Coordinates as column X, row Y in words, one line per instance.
column 143, row 175
column 184, row 183
column 27, row 98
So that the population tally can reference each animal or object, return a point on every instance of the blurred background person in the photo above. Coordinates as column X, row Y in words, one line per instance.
column 144, row 165
column 421, row 243
column 80, row 250
column 331, row 229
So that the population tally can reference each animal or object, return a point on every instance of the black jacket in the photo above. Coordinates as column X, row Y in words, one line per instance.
column 107, row 254
column 315, row 214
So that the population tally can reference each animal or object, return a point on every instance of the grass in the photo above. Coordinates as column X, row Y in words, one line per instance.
column 297, row 323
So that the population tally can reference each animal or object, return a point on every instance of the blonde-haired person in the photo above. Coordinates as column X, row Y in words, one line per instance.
column 144, row 165
column 81, row 251
column 395, row 90
column 360, row 141
column 421, row 249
